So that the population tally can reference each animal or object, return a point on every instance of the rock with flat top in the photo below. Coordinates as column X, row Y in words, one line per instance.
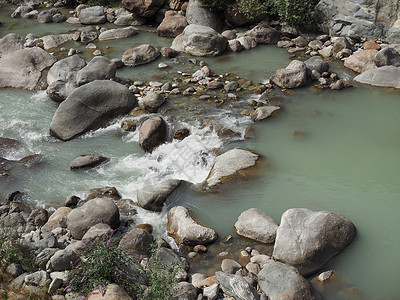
column 387, row 76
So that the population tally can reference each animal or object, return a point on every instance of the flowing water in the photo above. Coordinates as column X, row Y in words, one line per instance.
column 325, row 150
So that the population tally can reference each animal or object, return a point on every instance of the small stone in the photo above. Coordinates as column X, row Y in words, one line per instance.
column 192, row 255
column 325, row 276
column 200, row 248
column 97, row 52
column 128, row 125
column 91, row 46
column 71, row 201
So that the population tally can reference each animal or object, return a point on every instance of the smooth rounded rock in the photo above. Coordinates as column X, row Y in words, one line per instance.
column 137, row 241
column 153, row 101
column 119, row 33
column 140, row 55
column 293, row 76
column 92, row 15
column 99, row 68
column 172, row 25
column 152, row 133
column 153, row 197
column 87, row 161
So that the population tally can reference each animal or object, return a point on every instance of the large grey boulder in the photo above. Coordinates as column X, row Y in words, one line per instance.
column 61, row 78
column 197, row 14
column 153, row 197
column 236, row 286
column 152, row 133
column 147, row 8
column 90, row 107
column 57, row 219
column 21, row 11
column 185, row 230
column 119, row 33
column 140, row 55
column 199, row 40
column 316, row 63
column 263, row 33
column 137, row 241
column 152, row 101
column 10, row 43
column 293, row 76
column 256, row 225
column 55, row 40
column 97, row 210
column 229, row 163
column 92, row 15
column 387, row 57
column 98, row 68
column 361, row 61
column 307, row 239
column 280, row 281
column 60, row 261
column 172, row 25
column 387, row 76
column 23, row 68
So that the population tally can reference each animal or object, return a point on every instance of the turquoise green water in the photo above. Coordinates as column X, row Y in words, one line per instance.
column 325, row 150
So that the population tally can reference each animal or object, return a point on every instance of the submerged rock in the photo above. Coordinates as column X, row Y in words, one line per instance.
column 200, row 40
column 229, row 163
column 23, row 68
column 323, row 235
column 185, row 230
column 90, row 107
column 153, row 197
column 152, row 133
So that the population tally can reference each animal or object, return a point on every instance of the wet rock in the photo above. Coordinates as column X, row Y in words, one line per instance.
column 280, row 281
column 137, row 241
column 152, row 133
column 168, row 52
column 264, row 112
column 263, row 33
column 197, row 14
column 236, row 286
column 99, row 68
column 140, row 55
column 61, row 78
column 185, row 291
column 387, row 57
column 7, row 145
column 60, row 261
column 316, row 63
column 229, row 266
column 92, row 15
column 387, row 76
column 98, row 210
column 255, row 224
column 323, row 234
column 112, row 292
column 23, row 68
column 128, row 125
column 57, row 219
column 199, row 40
column 105, row 192
column 231, row 86
column 87, row 161
column 293, row 76
column 229, row 163
column 90, row 107
column 172, row 25
column 361, row 61
column 339, row 85
column 184, row 229
column 154, row 196
column 180, row 134
column 119, row 33
column 143, row 8
column 10, row 43
column 151, row 102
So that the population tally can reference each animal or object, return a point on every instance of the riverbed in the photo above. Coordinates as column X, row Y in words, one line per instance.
column 325, row 150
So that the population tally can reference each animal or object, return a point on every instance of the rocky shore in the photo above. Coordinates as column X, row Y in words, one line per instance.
column 91, row 95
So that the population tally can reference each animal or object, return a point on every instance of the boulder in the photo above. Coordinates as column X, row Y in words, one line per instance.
column 361, row 61
column 185, row 291
column 136, row 242
column 61, row 78
column 152, row 133
column 23, row 68
column 97, row 231
column 293, row 76
column 172, row 25
column 57, row 219
column 46, row 16
column 87, row 161
column 140, row 55
column 387, row 57
column 60, row 261
column 98, row 68
column 197, row 14
column 146, row 8
column 112, row 292
column 90, row 107
column 387, row 76
column 126, row 18
column 154, row 196
column 55, row 40
column 229, row 164
column 152, row 101
column 263, row 33
column 236, row 286
column 307, row 239
column 38, row 217
column 256, row 225
column 10, row 43
column 119, row 33
column 21, row 11
column 185, row 230
column 169, row 257
column 264, row 112
column 92, row 15
column 280, row 281
column 230, row 266
column 98, row 210
column 200, row 40
column 316, row 63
